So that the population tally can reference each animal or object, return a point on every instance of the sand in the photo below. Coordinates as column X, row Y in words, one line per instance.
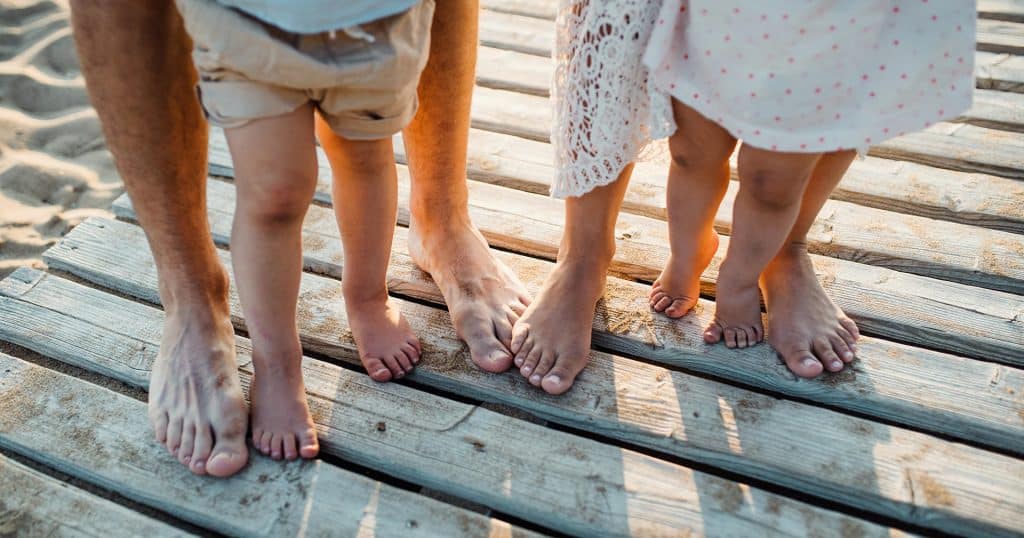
column 55, row 170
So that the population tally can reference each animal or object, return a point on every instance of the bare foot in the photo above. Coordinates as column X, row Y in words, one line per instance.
column 196, row 405
column 737, row 319
column 388, row 348
column 806, row 327
column 551, row 340
column 484, row 297
column 677, row 289
column 281, row 424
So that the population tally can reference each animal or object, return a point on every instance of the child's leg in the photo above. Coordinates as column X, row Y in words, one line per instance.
column 366, row 206
column 697, row 180
column 551, row 341
column 771, row 185
column 275, row 163
column 804, row 325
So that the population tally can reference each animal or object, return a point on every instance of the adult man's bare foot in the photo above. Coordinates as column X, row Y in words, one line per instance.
column 737, row 319
column 484, row 297
column 388, row 348
column 551, row 340
column 805, row 326
column 281, row 424
column 196, row 405
column 676, row 291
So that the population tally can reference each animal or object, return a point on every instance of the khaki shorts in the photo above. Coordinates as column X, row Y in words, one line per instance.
column 364, row 90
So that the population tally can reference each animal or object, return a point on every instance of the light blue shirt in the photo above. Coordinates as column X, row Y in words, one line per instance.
column 316, row 16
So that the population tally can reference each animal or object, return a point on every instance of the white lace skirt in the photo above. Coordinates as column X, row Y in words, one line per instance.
column 812, row 76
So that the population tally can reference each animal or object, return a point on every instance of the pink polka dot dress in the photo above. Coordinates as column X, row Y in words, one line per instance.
column 816, row 76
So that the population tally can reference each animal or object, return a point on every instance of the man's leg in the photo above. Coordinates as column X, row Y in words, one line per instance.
column 484, row 297
column 136, row 62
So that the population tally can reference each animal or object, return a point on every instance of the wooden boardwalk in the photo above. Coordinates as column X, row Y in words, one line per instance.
column 923, row 244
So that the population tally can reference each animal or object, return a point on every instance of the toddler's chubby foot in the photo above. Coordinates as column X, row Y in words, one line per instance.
column 281, row 424
column 388, row 348
column 810, row 332
column 196, row 405
column 551, row 341
column 677, row 289
column 737, row 320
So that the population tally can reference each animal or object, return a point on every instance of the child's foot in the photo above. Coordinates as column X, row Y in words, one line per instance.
column 388, row 348
column 677, row 289
column 737, row 319
column 281, row 424
column 551, row 340
column 807, row 328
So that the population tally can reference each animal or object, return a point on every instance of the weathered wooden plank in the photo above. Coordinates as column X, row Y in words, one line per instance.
column 681, row 415
column 1003, row 72
column 1006, row 10
column 938, row 314
column 541, row 9
column 535, row 36
column 905, row 385
column 559, row 480
column 102, row 437
column 36, row 505
column 993, row 36
column 996, row 110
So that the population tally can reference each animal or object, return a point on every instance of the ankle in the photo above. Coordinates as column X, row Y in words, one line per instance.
column 204, row 296
column 361, row 295
column 439, row 221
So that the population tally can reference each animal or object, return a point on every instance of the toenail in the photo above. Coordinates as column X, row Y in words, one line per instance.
column 809, row 362
column 848, row 356
column 555, row 378
column 519, row 362
column 535, row 378
column 526, row 370
column 837, row 363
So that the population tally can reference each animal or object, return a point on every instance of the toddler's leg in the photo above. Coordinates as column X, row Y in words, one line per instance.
column 275, row 163
column 804, row 325
column 551, row 340
column 366, row 205
column 697, row 180
column 771, row 185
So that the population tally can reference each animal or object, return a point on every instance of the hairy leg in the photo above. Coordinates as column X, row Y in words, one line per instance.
column 771, row 186
column 275, row 166
column 366, row 204
column 551, row 340
column 135, row 59
column 484, row 297
column 697, row 180
column 804, row 325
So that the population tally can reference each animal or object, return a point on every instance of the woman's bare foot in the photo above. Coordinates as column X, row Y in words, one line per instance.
column 806, row 327
column 551, row 340
column 484, row 297
column 737, row 319
column 388, row 348
column 196, row 405
column 281, row 424
column 677, row 289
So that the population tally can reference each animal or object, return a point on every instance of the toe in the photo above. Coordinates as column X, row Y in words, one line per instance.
column 174, row 435
column 158, row 419
column 730, row 337
column 265, row 443
column 519, row 307
column 851, row 328
column 823, row 350
column 802, row 363
column 277, row 446
column 393, row 366
column 840, row 347
column 376, row 369
column 291, row 451
column 679, row 307
column 530, row 363
column 188, row 436
column 503, row 330
column 309, row 446
column 489, row 354
column 403, row 361
column 663, row 302
column 257, row 438
column 412, row 353
column 224, row 462
column 524, row 351
column 713, row 333
column 547, row 359
column 563, row 375
column 520, row 332
column 201, row 449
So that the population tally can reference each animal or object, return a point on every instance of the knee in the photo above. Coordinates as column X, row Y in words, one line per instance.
column 772, row 188
column 278, row 203
column 690, row 154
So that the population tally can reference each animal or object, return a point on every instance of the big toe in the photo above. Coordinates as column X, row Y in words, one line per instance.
column 713, row 333
column 680, row 307
column 491, row 356
column 227, row 460
column 561, row 377
column 802, row 363
column 309, row 445
column 376, row 369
